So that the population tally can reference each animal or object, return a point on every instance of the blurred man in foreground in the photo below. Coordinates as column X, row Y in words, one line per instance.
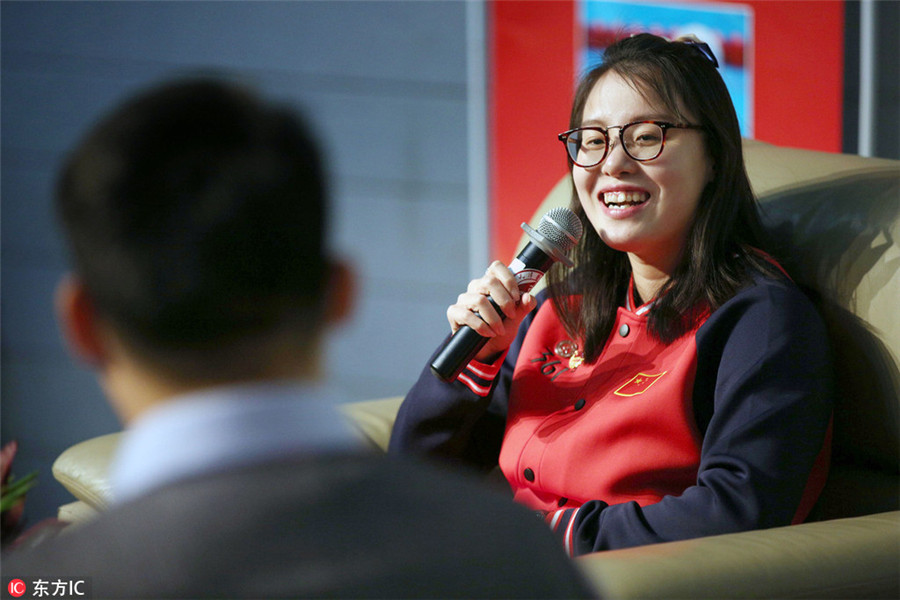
column 200, row 294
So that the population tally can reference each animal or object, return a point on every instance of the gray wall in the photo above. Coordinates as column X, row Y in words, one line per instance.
column 388, row 76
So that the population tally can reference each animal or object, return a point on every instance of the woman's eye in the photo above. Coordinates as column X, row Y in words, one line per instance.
column 593, row 141
column 645, row 135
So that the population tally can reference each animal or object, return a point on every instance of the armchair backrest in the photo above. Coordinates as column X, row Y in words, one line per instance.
column 834, row 222
column 836, row 229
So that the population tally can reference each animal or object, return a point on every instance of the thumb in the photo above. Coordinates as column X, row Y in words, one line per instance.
column 527, row 303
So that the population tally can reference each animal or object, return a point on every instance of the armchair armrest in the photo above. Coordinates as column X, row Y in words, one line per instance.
column 83, row 469
column 844, row 558
column 374, row 419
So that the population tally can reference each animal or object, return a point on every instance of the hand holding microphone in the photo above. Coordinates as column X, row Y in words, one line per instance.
column 502, row 293
column 492, row 306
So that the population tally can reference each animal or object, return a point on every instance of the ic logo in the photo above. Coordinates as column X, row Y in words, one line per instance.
column 16, row 588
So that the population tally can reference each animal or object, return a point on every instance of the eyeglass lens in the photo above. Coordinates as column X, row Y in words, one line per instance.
column 642, row 141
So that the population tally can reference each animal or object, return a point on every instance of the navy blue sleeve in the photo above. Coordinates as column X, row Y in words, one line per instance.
column 763, row 398
column 451, row 421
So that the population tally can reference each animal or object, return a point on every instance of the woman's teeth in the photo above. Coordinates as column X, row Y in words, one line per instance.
column 623, row 198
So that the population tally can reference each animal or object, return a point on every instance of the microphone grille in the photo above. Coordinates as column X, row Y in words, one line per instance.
column 561, row 227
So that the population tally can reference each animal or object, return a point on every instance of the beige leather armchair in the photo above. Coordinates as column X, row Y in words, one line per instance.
column 835, row 223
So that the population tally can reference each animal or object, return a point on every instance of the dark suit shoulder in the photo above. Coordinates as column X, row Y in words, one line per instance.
column 339, row 526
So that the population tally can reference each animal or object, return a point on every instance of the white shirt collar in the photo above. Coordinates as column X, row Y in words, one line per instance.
column 226, row 427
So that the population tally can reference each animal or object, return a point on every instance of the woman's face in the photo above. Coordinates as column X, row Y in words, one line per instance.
column 642, row 208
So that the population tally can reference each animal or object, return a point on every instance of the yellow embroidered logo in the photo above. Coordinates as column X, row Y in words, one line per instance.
column 638, row 384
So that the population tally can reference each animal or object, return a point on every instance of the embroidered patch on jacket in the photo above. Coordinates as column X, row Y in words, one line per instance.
column 551, row 366
column 638, row 384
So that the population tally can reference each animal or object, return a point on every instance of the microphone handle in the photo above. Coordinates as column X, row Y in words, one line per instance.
column 528, row 267
column 459, row 351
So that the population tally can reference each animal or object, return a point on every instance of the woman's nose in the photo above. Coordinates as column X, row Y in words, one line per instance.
column 617, row 160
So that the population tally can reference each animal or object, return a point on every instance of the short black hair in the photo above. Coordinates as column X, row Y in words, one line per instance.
column 196, row 216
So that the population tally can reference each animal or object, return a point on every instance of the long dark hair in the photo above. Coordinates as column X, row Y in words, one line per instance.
column 720, row 253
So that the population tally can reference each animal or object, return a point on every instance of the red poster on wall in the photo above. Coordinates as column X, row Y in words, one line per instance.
column 787, row 56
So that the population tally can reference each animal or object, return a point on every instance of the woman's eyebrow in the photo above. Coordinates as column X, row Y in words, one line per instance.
column 636, row 119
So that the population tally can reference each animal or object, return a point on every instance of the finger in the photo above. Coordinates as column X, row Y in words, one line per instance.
column 475, row 309
column 506, row 301
column 495, row 284
column 502, row 273
column 501, row 285
column 477, row 314
column 527, row 303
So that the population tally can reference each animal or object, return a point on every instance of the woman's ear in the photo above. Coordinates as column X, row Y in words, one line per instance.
column 78, row 320
column 341, row 293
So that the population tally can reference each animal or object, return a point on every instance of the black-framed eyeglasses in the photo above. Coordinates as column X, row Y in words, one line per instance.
column 642, row 141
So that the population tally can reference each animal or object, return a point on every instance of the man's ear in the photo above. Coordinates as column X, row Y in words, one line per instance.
column 341, row 293
column 79, row 322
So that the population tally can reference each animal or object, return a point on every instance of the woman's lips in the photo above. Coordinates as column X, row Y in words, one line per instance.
column 622, row 204
column 623, row 199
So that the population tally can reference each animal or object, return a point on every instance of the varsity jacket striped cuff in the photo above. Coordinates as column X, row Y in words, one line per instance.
column 478, row 376
column 562, row 524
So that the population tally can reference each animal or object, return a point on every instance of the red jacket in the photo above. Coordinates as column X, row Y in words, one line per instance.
column 725, row 429
column 630, row 411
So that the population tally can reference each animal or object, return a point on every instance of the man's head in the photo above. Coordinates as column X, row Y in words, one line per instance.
column 196, row 217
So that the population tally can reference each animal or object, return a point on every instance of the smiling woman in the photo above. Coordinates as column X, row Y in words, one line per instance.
column 700, row 208
column 698, row 389
column 642, row 206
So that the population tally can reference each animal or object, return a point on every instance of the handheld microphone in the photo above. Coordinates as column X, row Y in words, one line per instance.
column 558, row 231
